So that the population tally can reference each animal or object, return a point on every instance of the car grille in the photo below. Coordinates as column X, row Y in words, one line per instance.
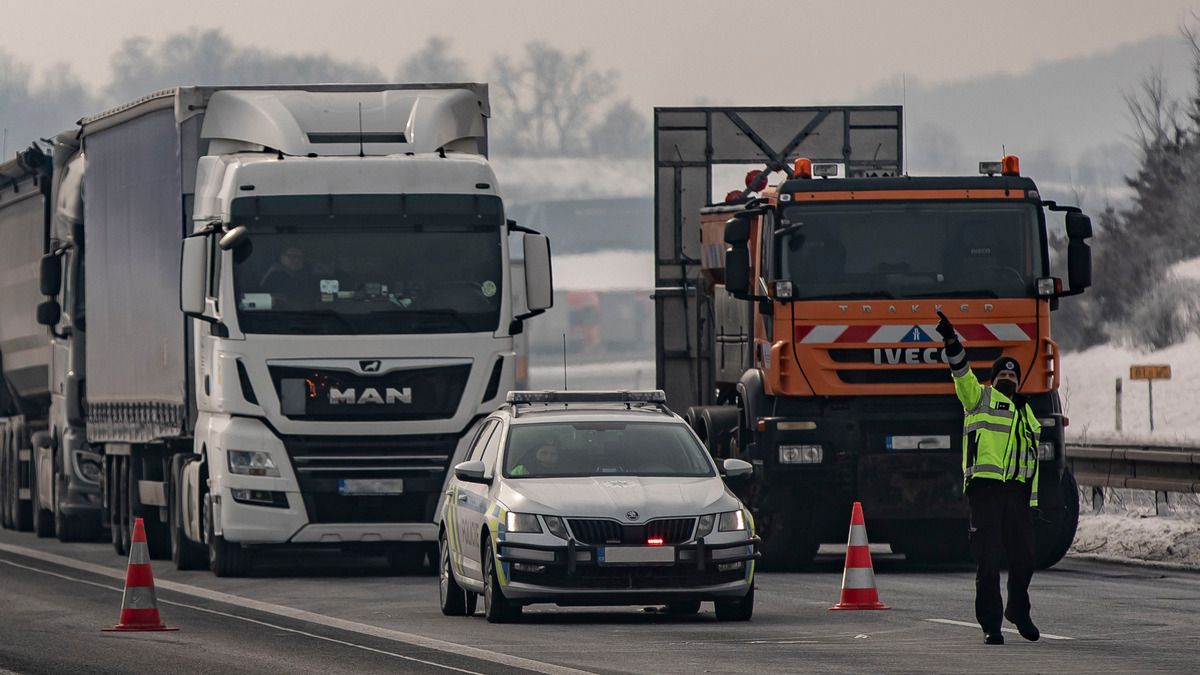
column 601, row 531
column 596, row 577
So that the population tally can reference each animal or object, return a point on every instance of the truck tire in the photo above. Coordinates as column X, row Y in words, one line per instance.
column 225, row 559
column 789, row 542
column 116, row 489
column 185, row 553
column 5, row 487
column 22, row 508
column 43, row 519
column 158, row 535
column 1055, row 532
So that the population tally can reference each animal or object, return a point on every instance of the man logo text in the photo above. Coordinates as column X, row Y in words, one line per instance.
column 369, row 395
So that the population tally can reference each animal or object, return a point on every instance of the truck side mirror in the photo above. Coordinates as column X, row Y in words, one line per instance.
column 737, row 231
column 234, row 238
column 737, row 271
column 193, row 271
column 51, row 275
column 49, row 313
column 539, row 278
column 1079, row 254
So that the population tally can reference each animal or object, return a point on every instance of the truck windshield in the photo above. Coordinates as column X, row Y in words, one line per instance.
column 579, row 449
column 921, row 250
column 369, row 264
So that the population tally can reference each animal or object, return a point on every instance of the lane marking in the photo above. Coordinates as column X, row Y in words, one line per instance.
column 242, row 618
column 304, row 615
column 952, row 622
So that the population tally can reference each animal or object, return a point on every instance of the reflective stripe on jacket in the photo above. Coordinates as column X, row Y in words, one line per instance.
column 999, row 441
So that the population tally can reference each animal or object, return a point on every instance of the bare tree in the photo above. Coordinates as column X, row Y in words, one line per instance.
column 545, row 101
column 624, row 133
column 434, row 62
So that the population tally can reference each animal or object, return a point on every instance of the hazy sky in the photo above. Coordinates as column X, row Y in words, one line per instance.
column 668, row 52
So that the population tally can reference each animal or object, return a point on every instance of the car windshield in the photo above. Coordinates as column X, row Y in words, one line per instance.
column 910, row 250
column 577, row 449
column 369, row 264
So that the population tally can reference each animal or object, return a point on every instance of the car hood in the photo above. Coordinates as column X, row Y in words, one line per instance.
column 616, row 496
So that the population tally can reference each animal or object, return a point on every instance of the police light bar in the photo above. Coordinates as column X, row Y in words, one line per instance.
column 551, row 396
column 825, row 170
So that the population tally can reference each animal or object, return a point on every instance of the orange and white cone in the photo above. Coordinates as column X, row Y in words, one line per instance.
column 858, row 580
column 139, row 606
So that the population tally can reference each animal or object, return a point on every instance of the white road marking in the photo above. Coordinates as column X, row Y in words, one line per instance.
column 952, row 622
column 303, row 615
column 245, row 619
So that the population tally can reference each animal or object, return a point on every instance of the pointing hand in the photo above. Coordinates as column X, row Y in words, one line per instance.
column 944, row 327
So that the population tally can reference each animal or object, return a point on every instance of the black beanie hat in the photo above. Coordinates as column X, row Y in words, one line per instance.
column 1006, row 363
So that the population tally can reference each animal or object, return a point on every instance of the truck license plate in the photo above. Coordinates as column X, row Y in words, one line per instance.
column 932, row 442
column 627, row 555
column 367, row 486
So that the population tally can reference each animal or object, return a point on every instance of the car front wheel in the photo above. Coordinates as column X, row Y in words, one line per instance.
column 740, row 609
column 496, row 607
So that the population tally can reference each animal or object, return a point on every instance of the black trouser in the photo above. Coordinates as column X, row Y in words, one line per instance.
column 1001, row 523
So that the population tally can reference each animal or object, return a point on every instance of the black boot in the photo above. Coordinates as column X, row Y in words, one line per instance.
column 1024, row 626
column 993, row 638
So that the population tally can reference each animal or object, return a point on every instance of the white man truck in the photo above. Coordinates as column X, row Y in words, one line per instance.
column 340, row 255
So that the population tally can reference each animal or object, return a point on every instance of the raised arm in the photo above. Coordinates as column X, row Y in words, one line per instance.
column 966, row 385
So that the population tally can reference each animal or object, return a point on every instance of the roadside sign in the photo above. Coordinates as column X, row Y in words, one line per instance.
column 1150, row 372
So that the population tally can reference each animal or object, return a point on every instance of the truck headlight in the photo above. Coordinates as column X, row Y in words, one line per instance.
column 252, row 463
column 733, row 521
column 1045, row 452
column 800, row 454
column 556, row 526
column 522, row 522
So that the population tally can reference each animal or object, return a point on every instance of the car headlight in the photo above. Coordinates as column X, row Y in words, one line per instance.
column 556, row 526
column 522, row 522
column 705, row 526
column 252, row 463
column 1046, row 452
column 733, row 521
column 800, row 454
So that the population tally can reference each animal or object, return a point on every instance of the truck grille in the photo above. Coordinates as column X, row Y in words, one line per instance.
column 332, row 395
column 601, row 531
column 323, row 462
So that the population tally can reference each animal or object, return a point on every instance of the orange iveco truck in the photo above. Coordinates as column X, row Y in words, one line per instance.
column 827, row 372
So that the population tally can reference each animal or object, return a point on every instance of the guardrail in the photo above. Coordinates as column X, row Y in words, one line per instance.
column 1162, row 468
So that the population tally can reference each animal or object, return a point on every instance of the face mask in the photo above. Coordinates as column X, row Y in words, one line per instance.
column 1006, row 387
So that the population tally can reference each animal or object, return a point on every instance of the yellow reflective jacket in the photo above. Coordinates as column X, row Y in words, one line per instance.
column 999, row 441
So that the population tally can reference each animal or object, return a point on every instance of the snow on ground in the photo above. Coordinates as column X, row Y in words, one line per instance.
column 1089, row 398
column 1126, row 537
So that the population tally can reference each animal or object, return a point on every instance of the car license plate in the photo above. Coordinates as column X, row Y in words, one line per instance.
column 369, row 486
column 918, row 442
column 633, row 555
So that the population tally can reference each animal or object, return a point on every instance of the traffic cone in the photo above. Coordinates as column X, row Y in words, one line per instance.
column 858, row 581
column 139, row 606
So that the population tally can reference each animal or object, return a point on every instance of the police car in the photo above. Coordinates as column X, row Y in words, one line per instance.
column 593, row 498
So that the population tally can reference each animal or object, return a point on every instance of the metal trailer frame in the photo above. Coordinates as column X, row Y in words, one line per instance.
column 688, row 143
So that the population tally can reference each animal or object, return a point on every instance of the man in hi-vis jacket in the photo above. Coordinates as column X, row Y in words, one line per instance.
column 1000, row 465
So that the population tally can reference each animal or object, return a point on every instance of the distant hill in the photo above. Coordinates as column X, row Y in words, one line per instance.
column 1067, row 120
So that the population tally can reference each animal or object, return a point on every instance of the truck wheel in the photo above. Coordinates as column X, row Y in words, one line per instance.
column 6, row 492
column 788, row 545
column 225, row 559
column 22, row 508
column 1053, row 537
column 43, row 519
column 453, row 598
column 117, row 491
column 496, row 607
column 185, row 553
column 158, row 535
column 740, row 609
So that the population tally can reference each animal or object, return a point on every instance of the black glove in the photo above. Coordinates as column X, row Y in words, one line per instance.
column 945, row 328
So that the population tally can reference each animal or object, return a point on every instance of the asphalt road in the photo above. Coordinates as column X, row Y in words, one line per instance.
column 333, row 613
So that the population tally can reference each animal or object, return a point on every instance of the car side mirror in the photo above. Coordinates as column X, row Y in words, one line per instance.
column 737, row 468
column 471, row 472
column 51, row 275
